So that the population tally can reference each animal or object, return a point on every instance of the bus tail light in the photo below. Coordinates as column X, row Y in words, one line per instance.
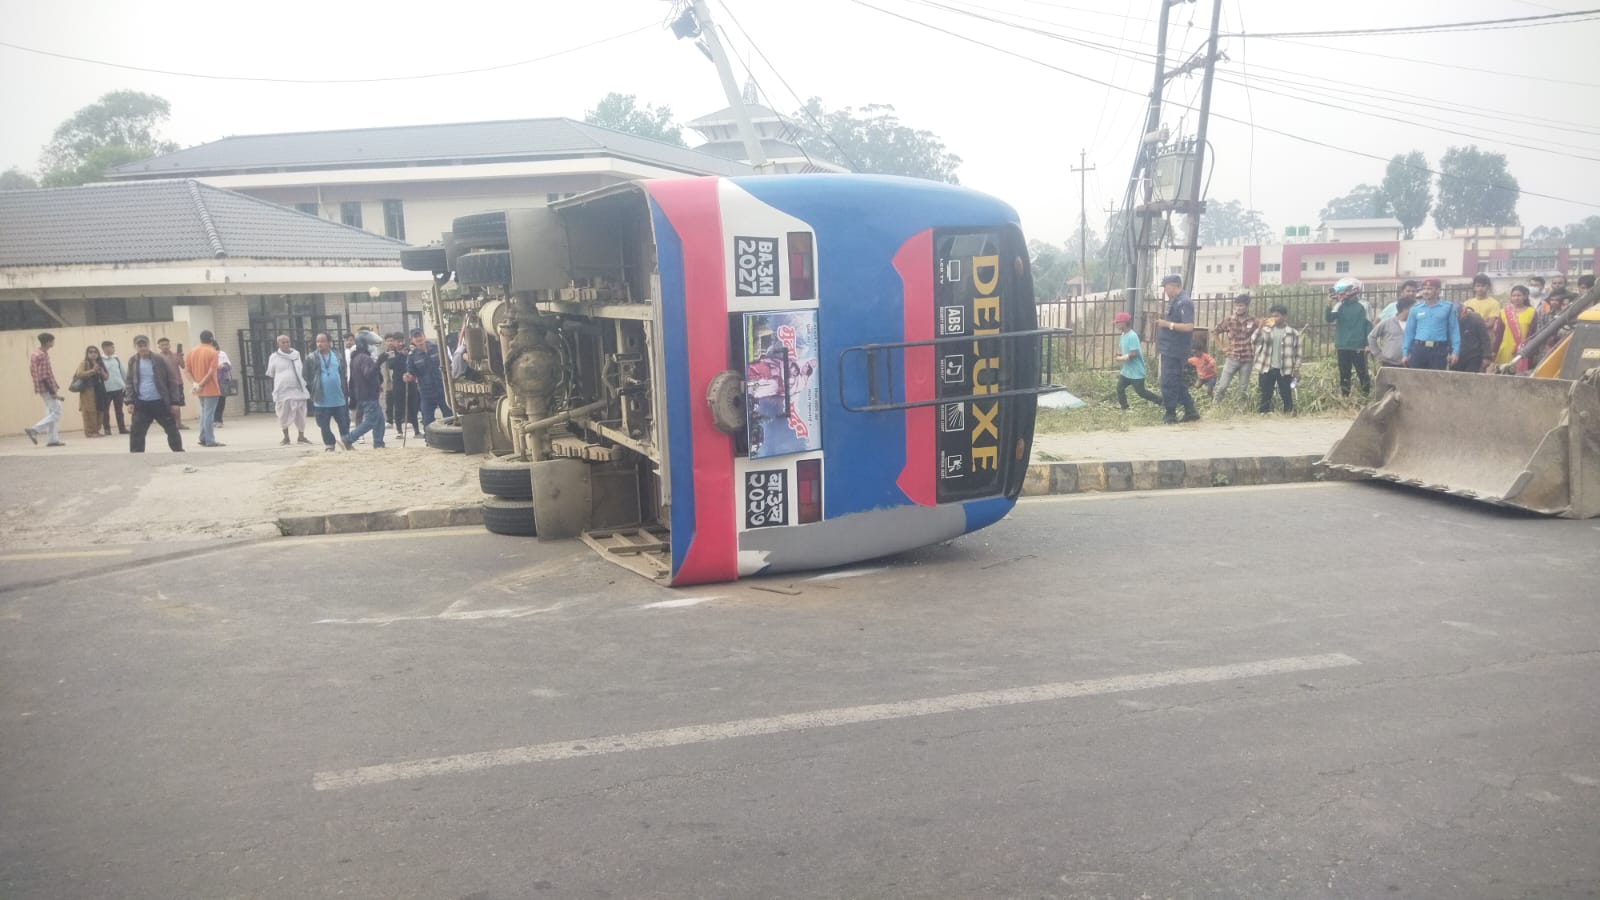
column 802, row 267
column 808, row 491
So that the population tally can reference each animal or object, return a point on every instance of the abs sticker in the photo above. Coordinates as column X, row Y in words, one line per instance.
column 766, row 498
column 755, row 261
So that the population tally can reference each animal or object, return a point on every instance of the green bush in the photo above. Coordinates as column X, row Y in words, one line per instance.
column 1317, row 394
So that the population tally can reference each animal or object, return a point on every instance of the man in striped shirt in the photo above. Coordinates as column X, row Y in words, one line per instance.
column 44, row 384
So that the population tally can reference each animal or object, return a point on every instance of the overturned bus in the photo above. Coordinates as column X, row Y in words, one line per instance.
column 716, row 377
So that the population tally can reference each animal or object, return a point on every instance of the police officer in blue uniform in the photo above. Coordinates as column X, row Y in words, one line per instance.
column 1173, row 341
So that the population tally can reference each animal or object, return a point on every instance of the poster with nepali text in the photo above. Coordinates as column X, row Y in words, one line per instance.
column 783, row 398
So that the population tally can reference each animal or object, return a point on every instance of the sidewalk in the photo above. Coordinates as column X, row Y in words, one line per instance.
column 1238, row 450
column 93, row 491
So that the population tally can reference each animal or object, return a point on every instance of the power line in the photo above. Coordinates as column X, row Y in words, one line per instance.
column 214, row 77
column 1439, row 123
column 1121, row 51
column 1530, row 21
column 845, row 156
column 1390, row 58
column 1295, row 137
column 1307, row 98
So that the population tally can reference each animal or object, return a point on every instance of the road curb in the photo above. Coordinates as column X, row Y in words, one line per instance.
column 381, row 520
column 1114, row 476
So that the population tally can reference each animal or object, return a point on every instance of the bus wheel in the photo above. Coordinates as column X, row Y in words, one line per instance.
column 444, row 436
column 508, row 479
column 514, row 517
column 480, row 231
column 424, row 259
column 483, row 268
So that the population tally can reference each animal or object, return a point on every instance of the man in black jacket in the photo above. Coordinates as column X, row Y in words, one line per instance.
column 366, row 384
column 151, row 396
column 1474, row 342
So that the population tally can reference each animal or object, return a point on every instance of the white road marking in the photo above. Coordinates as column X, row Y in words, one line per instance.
column 848, row 573
column 678, row 603
column 64, row 554
column 345, row 779
column 1468, row 626
column 1091, row 496
column 452, row 613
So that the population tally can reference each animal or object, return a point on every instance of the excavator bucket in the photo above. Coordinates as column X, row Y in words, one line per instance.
column 1533, row 443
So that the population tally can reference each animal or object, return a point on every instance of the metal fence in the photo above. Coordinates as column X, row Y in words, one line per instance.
column 1093, row 342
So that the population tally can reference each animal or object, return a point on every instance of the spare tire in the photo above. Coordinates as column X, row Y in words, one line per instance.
column 507, row 477
column 480, row 231
column 514, row 517
column 442, row 435
column 483, row 268
column 424, row 259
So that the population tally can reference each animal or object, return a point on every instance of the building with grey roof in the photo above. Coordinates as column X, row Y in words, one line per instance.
column 409, row 182
column 177, row 256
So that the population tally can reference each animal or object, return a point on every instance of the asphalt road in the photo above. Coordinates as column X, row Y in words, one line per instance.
column 1312, row 691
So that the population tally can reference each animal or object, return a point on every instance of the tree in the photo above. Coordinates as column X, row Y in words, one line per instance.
column 1364, row 201
column 14, row 179
column 622, row 112
column 1406, row 189
column 119, row 128
column 872, row 139
column 1228, row 220
column 1475, row 188
column 1050, row 265
column 1545, row 236
column 1582, row 234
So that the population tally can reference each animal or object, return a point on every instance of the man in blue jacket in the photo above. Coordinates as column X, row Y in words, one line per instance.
column 423, row 369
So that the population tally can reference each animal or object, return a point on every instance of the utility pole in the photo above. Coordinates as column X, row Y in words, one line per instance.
column 1083, row 219
column 1140, row 183
column 1191, row 246
column 713, row 45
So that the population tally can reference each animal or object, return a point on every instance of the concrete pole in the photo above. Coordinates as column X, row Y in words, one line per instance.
column 1137, row 262
column 1191, row 247
column 747, row 131
column 1083, row 218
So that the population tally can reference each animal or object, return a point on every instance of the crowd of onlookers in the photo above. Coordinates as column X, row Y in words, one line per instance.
column 358, row 389
column 1419, row 330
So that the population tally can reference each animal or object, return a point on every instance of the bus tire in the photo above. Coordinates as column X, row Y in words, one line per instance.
column 484, row 268
column 444, row 436
column 424, row 259
column 480, row 231
column 513, row 517
column 507, row 478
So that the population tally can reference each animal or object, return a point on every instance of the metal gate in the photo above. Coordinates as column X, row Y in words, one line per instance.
column 260, row 340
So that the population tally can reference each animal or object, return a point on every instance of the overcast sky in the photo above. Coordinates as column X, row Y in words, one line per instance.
column 1017, row 125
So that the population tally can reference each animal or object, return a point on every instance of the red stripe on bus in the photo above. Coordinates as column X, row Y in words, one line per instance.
column 914, row 262
column 690, row 204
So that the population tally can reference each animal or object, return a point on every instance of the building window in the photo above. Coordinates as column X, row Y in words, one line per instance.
column 350, row 213
column 1208, row 270
column 1303, row 266
column 309, row 209
column 1434, row 263
column 1585, row 265
column 394, row 219
column 1380, row 259
column 1230, row 267
column 1321, row 266
column 1175, row 270
column 1272, row 267
column 1342, row 266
